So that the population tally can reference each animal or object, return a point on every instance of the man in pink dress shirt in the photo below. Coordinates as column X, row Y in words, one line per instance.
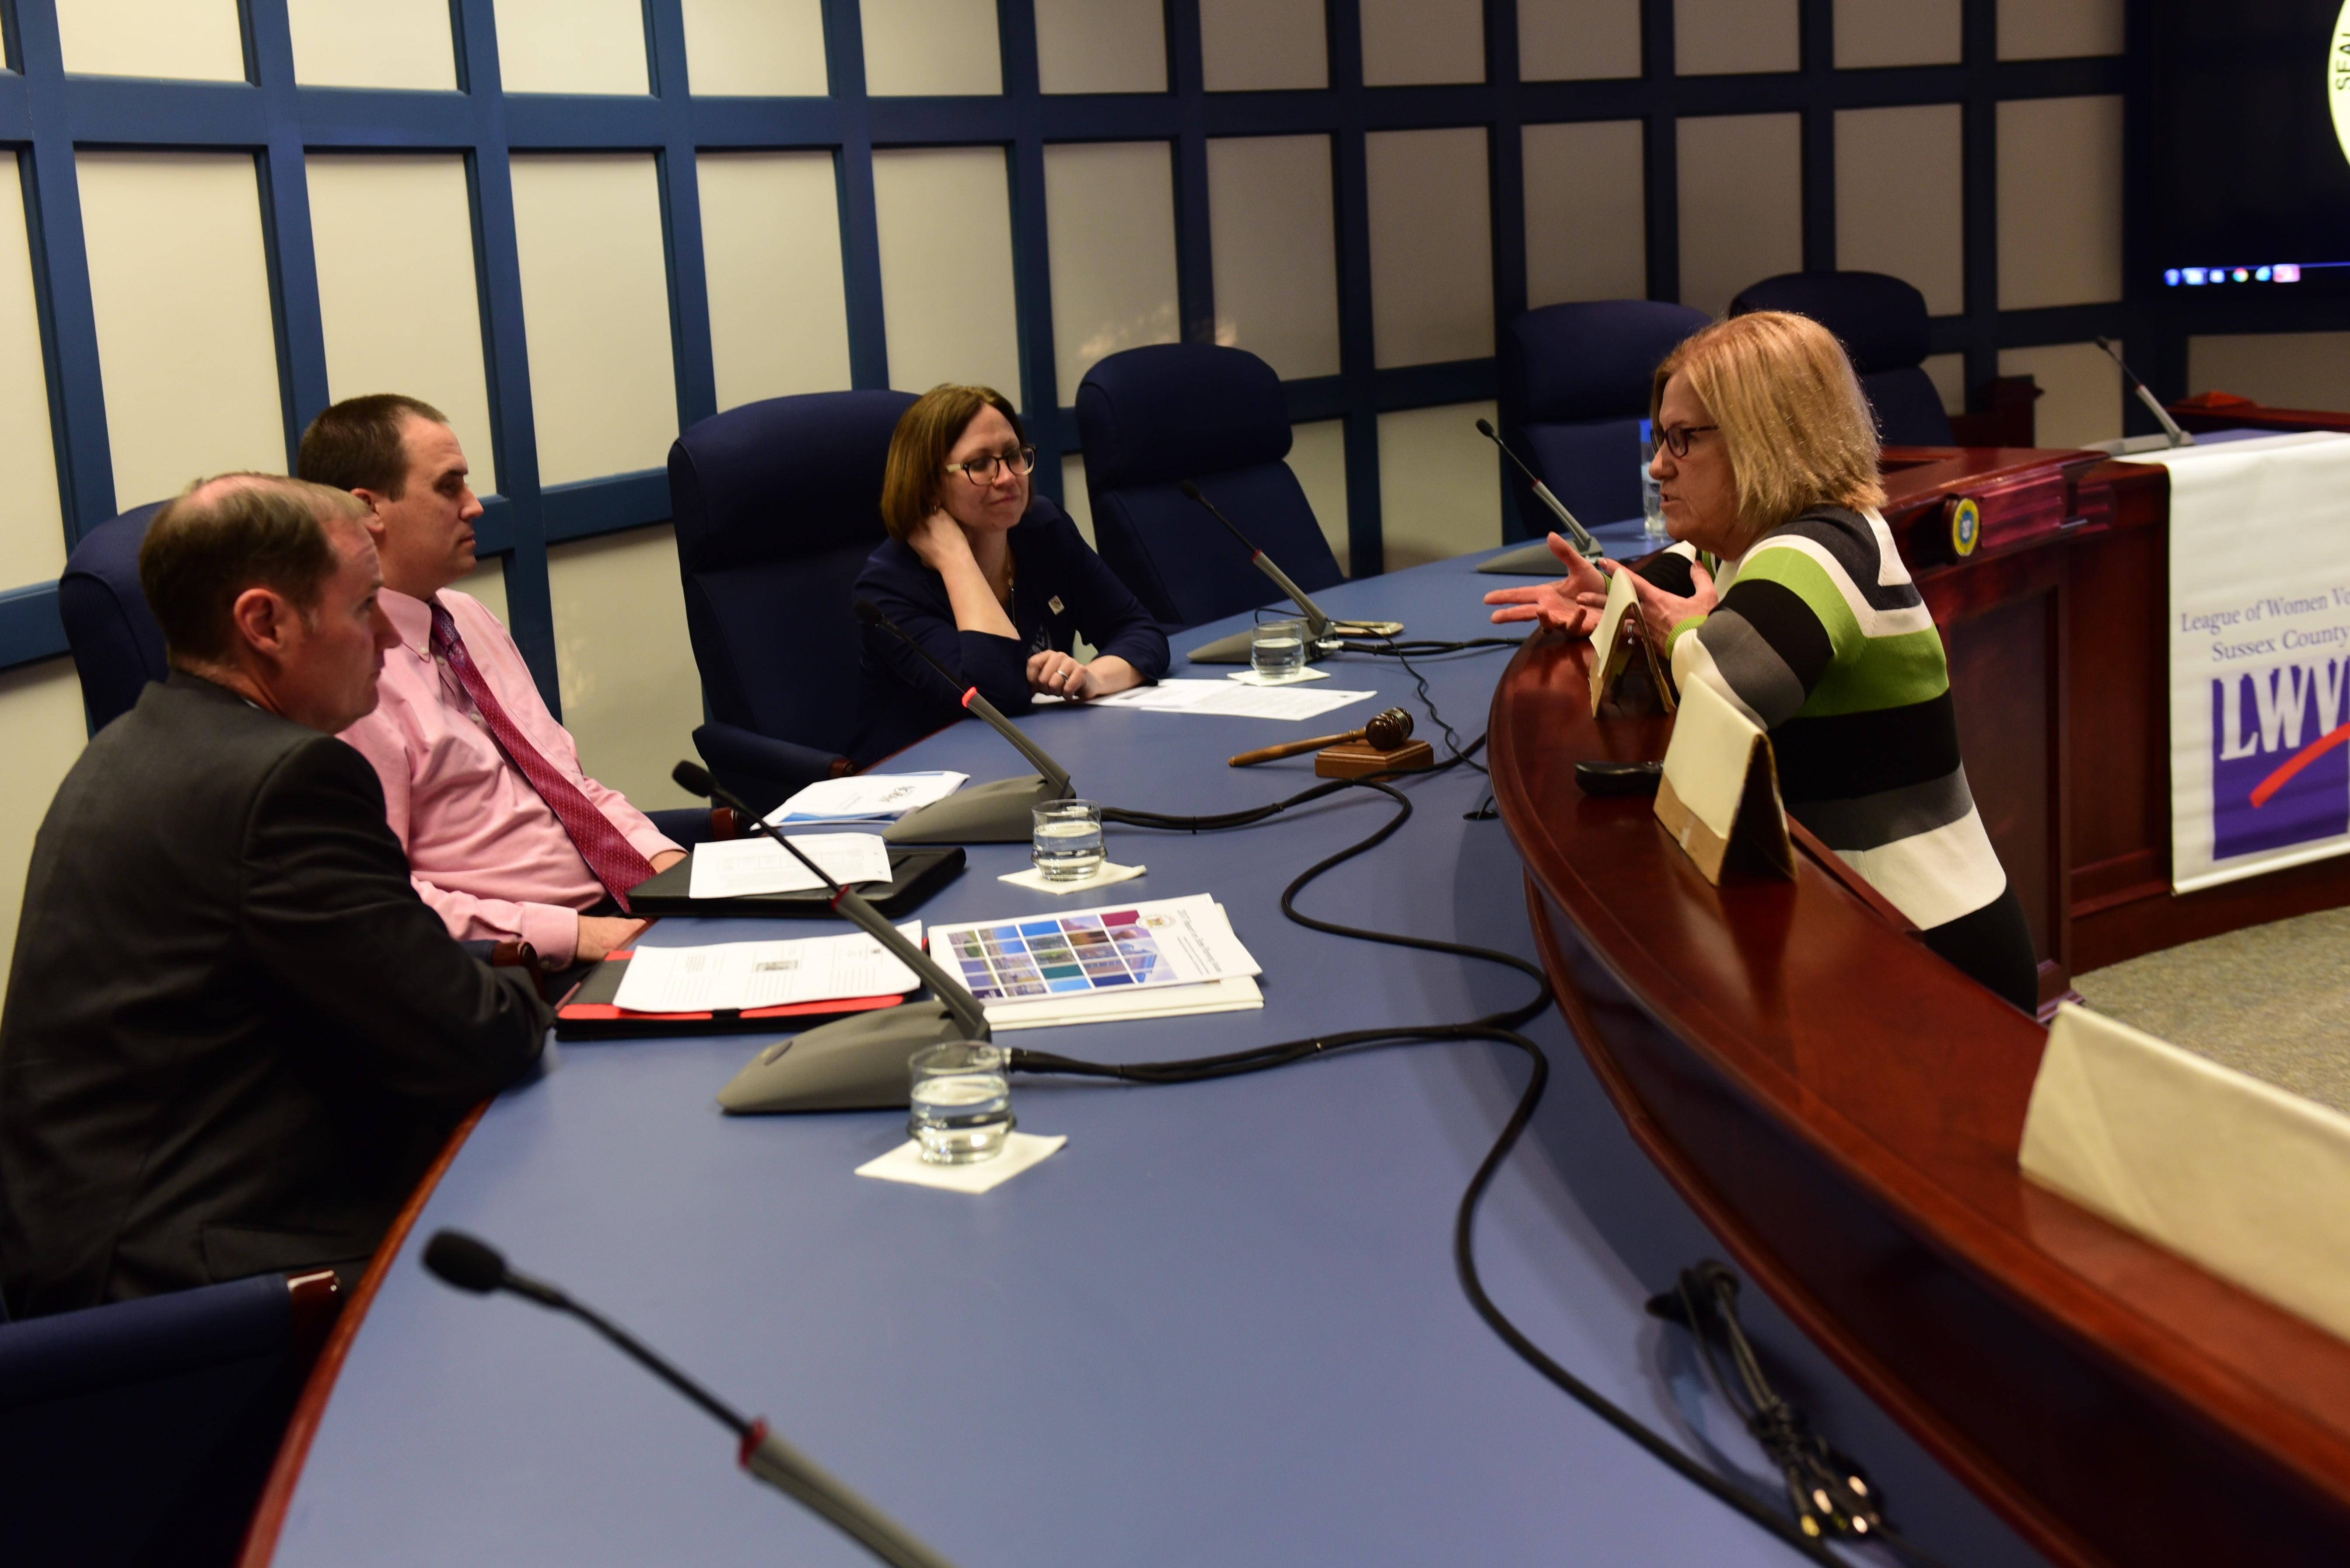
column 505, row 835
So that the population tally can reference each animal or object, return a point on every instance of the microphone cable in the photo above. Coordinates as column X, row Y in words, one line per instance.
column 1499, row 1028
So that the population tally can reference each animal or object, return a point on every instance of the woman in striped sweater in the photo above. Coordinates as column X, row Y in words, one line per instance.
column 1808, row 622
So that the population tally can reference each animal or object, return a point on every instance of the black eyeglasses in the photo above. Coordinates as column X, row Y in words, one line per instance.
column 982, row 470
column 1677, row 437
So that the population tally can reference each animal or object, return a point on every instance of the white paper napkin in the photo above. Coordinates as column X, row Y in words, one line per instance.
column 904, row 1163
column 1110, row 872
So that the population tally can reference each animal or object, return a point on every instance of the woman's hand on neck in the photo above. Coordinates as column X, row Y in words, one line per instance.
column 970, row 562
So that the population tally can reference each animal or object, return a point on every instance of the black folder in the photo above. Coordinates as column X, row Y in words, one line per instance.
column 918, row 871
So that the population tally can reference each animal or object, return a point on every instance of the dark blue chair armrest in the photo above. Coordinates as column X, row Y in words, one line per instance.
column 72, row 1354
column 684, row 826
column 760, row 768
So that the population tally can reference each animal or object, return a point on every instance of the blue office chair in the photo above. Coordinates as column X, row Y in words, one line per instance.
column 1150, row 418
column 777, row 505
column 1882, row 322
column 1575, row 382
column 118, row 647
column 142, row 1432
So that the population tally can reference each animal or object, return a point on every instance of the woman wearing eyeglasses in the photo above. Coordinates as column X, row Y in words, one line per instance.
column 1787, row 596
column 994, row 581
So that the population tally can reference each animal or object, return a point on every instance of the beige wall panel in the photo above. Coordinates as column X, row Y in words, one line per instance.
column 2282, row 370
column 1409, row 41
column 407, row 317
column 770, row 249
column 1899, row 207
column 1273, row 241
column 1431, row 246
column 1101, row 46
column 2060, row 202
column 1728, row 37
column 1586, row 212
column 195, row 313
column 572, row 45
column 1948, row 374
column 32, row 522
column 2081, row 391
column 1076, row 500
column 1317, row 455
column 931, row 47
column 603, row 383
column 1742, row 200
column 1573, row 40
column 632, row 695
column 199, row 40
column 2052, row 29
column 771, row 48
column 945, row 221
column 373, row 44
column 1896, row 33
column 1258, row 46
column 1439, row 491
column 487, row 583
column 41, row 715
column 1109, row 211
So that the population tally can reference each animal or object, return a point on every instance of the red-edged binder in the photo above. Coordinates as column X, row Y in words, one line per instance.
column 589, row 1013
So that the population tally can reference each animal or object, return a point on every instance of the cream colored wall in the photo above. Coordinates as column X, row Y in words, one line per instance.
column 2060, row 202
column 1728, row 37
column 1431, row 246
column 407, row 317
column 1256, row 46
column 1100, row 46
column 1577, row 41
column 1899, row 209
column 1109, row 223
column 631, row 702
column 926, row 47
column 373, row 44
column 603, row 385
column 1871, row 33
column 194, row 313
column 41, row 717
column 1439, row 488
column 947, row 303
column 1742, row 203
column 199, row 41
column 771, row 252
column 32, row 531
column 572, row 45
column 1586, row 212
column 1317, row 455
column 773, row 47
column 1408, row 42
column 1272, row 239
column 2081, row 391
column 2047, row 29
column 2282, row 370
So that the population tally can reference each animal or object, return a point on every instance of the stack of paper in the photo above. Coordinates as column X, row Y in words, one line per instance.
column 866, row 797
column 1158, row 959
column 1231, row 700
column 738, row 867
column 744, row 975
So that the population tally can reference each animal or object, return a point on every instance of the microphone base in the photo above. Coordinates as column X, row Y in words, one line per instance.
column 854, row 1064
column 993, row 813
column 1235, row 650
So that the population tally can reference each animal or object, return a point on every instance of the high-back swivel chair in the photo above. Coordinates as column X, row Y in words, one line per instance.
column 1575, row 382
column 1883, row 325
column 777, row 505
column 116, row 647
column 1151, row 418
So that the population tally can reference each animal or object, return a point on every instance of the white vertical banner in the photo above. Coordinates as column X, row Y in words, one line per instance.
column 2260, row 655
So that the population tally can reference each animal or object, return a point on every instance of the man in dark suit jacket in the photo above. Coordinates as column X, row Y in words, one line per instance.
column 235, row 1037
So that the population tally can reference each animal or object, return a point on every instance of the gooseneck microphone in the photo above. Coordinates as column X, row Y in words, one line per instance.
column 469, row 1264
column 2171, row 433
column 857, row 1062
column 994, row 812
column 1583, row 541
column 1317, row 623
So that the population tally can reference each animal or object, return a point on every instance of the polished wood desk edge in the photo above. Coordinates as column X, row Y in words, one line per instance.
column 2127, row 1342
column 294, row 1448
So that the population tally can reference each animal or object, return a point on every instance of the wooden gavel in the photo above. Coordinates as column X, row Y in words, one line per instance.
column 1386, row 731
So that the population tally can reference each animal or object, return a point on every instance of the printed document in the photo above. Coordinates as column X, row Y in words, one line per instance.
column 735, row 867
column 1231, row 699
column 866, row 797
column 763, row 975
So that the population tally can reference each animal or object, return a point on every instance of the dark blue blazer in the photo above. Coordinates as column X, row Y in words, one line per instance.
column 1060, row 590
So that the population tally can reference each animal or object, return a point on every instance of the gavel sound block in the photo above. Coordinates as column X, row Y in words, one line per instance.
column 1383, row 745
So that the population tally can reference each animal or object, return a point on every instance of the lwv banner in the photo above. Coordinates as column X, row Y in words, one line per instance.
column 2260, row 655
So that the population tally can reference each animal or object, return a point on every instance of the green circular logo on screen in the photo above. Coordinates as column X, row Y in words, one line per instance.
column 1966, row 526
column 2337, row 78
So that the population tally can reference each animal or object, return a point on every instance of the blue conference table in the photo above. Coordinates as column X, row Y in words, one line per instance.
column 1222, row 1325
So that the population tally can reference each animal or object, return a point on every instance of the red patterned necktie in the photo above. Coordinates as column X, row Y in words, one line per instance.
column 607, row 850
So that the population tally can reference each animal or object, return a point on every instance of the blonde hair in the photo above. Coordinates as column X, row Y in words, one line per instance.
column 1794, row 422
column 926, row 433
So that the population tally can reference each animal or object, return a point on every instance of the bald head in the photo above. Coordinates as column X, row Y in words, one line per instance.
column 231, row 533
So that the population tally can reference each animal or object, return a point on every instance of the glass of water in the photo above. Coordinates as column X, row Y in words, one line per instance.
column 1069, row 839
column 1277, row 649
column 959, row 1103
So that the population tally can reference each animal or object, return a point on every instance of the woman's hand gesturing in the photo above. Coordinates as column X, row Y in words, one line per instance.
column 1661, row 611
column 1571, row 604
